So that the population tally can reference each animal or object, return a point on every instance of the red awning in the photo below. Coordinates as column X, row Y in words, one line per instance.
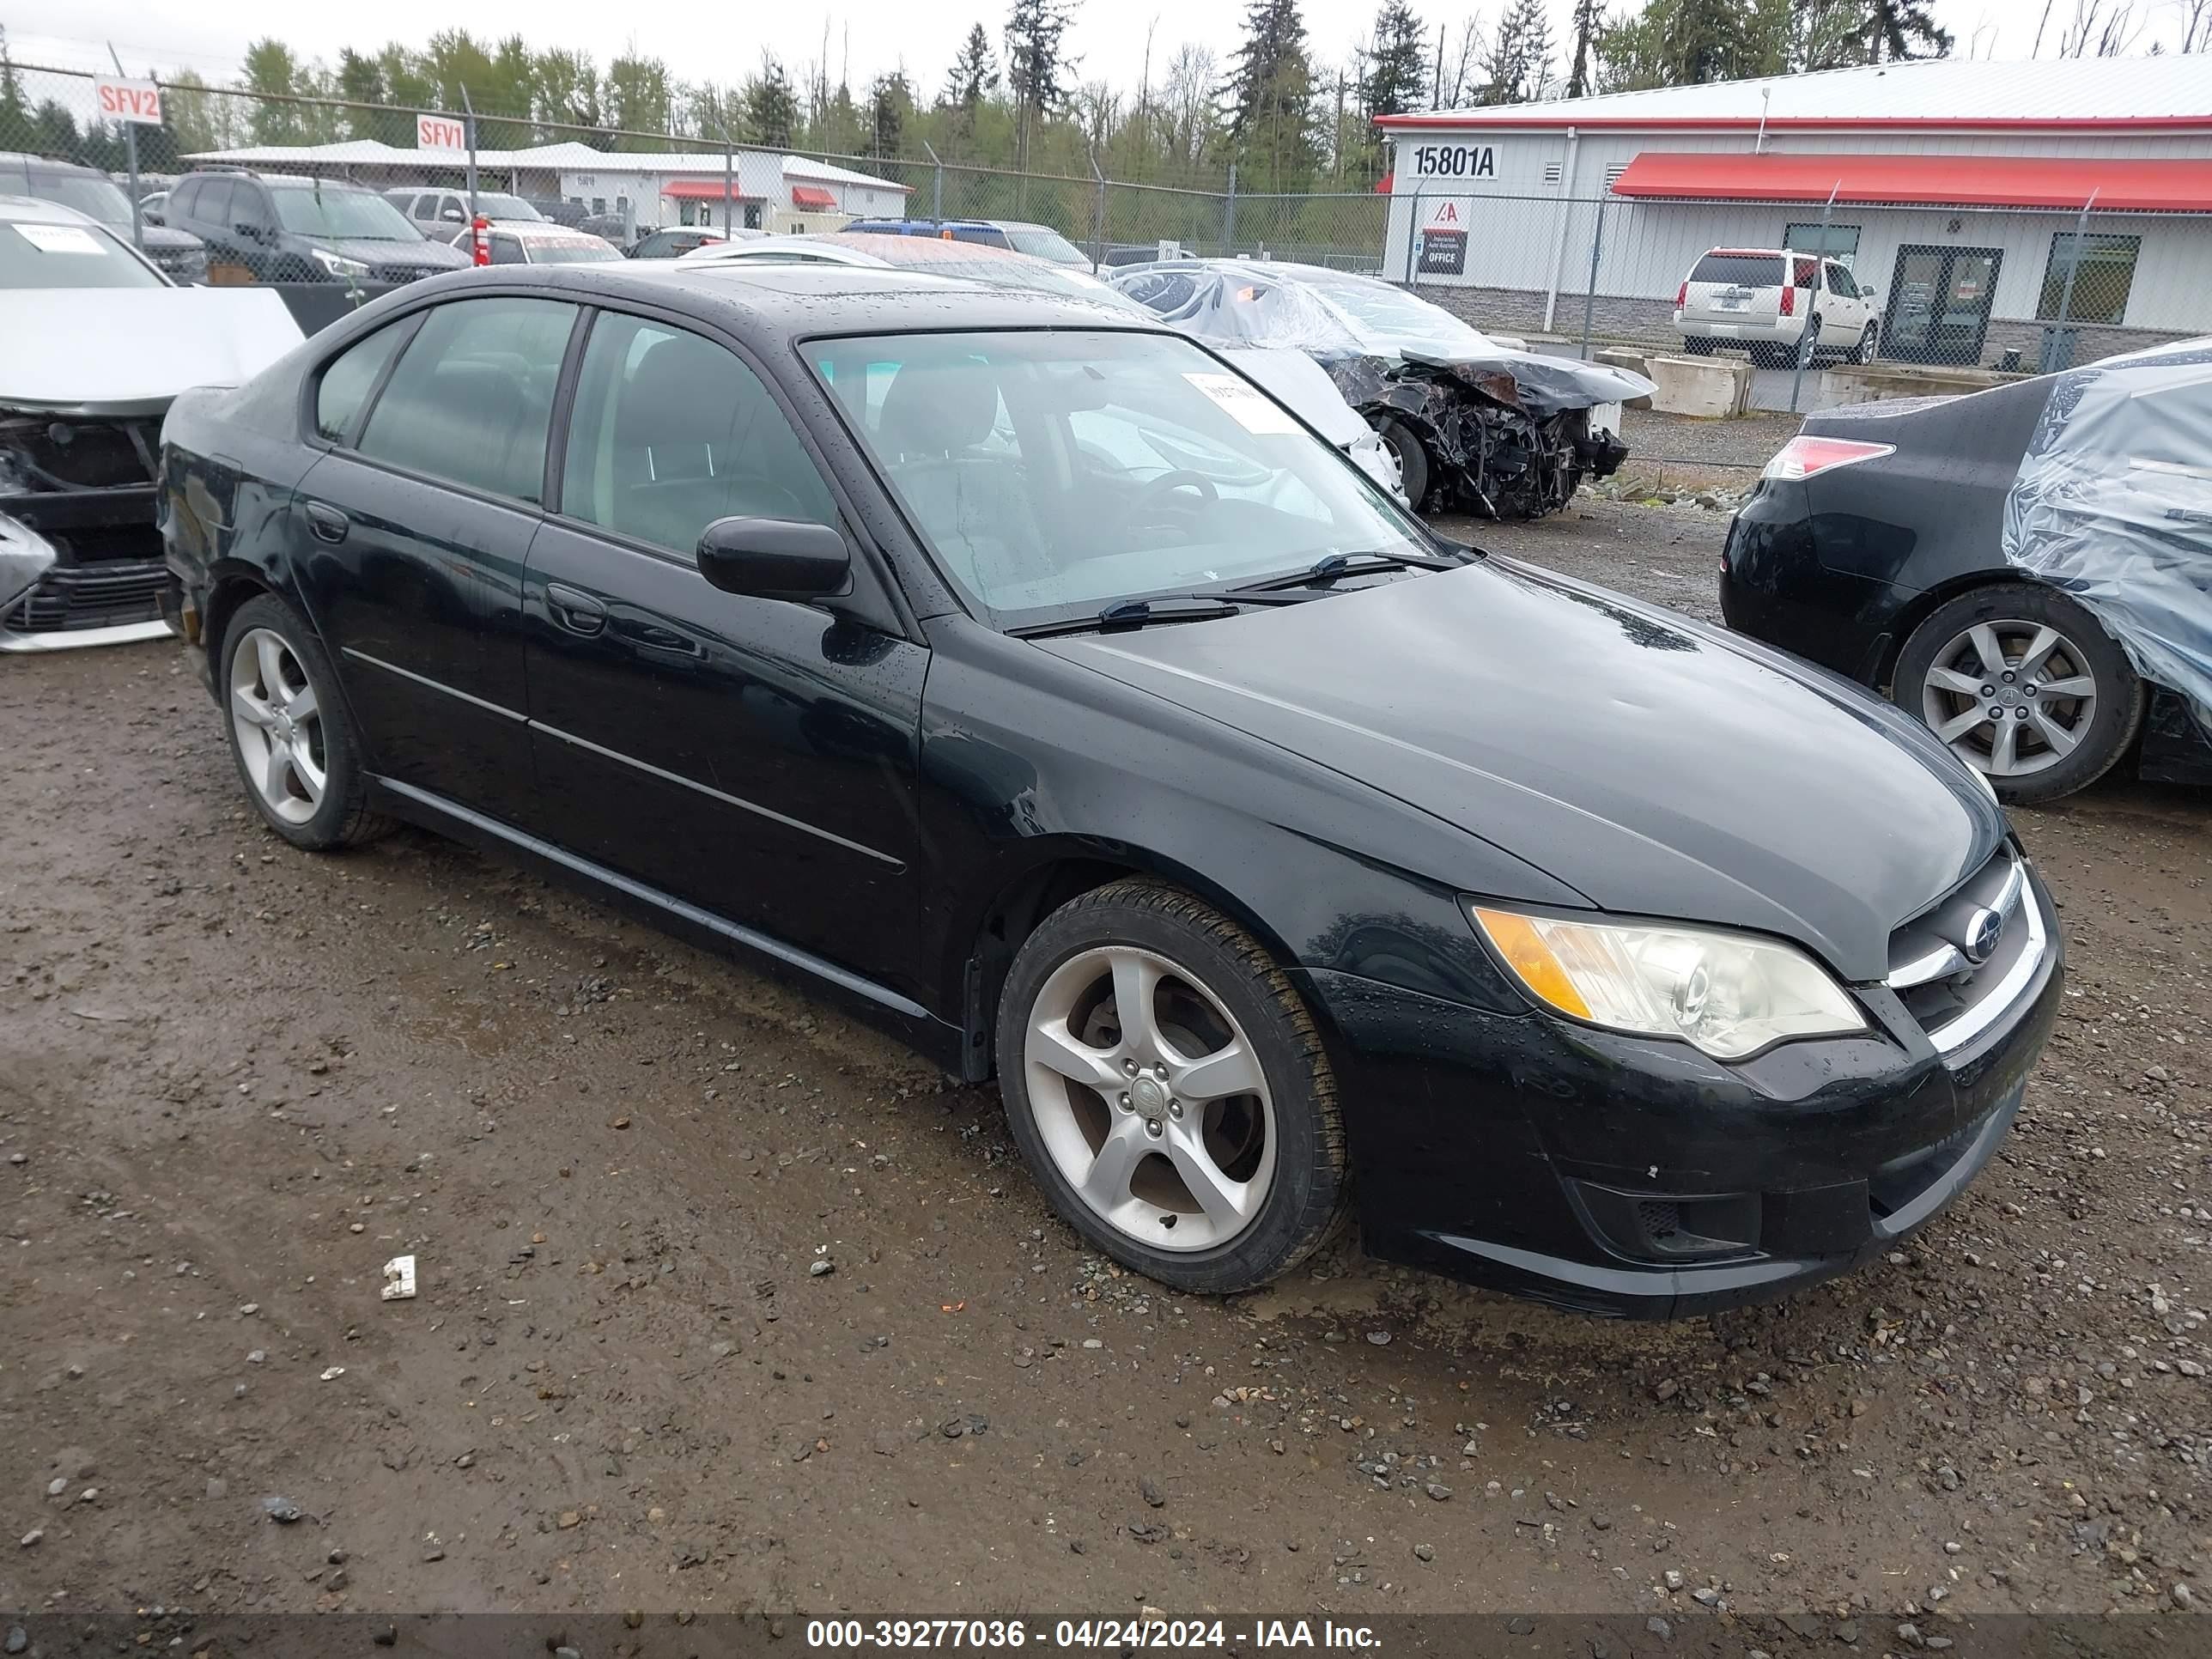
column 811, row 196
column 2022, row 181
column 701, row 190
column 1386, row 184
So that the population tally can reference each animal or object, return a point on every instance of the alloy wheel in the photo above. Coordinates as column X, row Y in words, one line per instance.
column 279, row 726
column 1150, row 1099
column 2012, row 697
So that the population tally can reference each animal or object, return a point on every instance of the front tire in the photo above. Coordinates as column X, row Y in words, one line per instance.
column 1412, row 460
column 2025, row 686
column 290, row 738
column 1169, row 1090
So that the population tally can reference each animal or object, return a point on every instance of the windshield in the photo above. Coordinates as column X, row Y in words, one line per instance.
column 496, row 205
column 97, row 199
column 1391, row 314
column 355, row 215
column 1044, row 243
column 1059, row 471
column 69, row 256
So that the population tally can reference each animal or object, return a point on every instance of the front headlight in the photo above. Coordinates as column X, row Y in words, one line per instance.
column 1730, row 995
column 337, row 264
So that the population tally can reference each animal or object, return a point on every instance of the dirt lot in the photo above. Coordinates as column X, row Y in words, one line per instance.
column 725, row 1302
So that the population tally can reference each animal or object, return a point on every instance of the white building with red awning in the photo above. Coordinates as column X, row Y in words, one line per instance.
column 1984, row 204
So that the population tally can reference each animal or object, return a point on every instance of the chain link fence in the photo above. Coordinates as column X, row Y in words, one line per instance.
column 1906, row 283
column 1933, row 287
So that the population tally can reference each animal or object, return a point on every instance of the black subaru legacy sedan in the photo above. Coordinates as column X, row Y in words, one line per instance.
column 1013, row 671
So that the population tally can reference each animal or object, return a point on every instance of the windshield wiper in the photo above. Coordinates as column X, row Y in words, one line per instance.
column 1125, row 614
column 1327, row 569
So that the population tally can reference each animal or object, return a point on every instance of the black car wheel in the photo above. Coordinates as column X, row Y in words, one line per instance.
column 2025, row 686
column 294, row 747
column 1169, row 1090
column 1809, row 345
column 1412, row 460
column 1864, row 351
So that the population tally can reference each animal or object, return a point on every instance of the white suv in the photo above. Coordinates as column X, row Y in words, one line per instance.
column 1737, row 296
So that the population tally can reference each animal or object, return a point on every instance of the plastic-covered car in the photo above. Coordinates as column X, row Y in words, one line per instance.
column 1288, row 375
column 1473, row 424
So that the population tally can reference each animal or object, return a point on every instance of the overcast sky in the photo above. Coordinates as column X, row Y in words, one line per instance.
column 724, row 43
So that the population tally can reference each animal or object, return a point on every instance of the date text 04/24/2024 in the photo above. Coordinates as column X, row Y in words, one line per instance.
column 1112, row 1634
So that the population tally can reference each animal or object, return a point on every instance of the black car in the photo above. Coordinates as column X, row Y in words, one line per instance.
column 181, row 255
column 1007, row 667
column 2027, row 569
column 280, row 227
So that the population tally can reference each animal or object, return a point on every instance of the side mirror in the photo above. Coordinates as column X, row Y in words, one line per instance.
column 248, row 229
column 455, row 216
column 775, row 559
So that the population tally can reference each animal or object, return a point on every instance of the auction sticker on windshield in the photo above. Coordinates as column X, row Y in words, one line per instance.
column 59, row 238
column 1249, row 406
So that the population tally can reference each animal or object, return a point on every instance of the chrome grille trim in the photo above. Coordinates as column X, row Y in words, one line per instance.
column 1996, row 1000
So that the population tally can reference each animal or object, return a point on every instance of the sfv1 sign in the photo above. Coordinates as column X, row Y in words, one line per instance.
column 440, row 132
column 1455, row 160
column 118, row 99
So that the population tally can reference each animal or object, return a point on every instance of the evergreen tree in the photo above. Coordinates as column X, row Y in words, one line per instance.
column 1590, row 23
column 1895, row 28
column 1517, row 67
column 891, row 100
column 973, row 73
column 1397, row 70
column 1270, row 94
column 1038, row 70
column 641, row 96
column 770, row 106
column 14, row 110
column 565, row 90
column 275, row 75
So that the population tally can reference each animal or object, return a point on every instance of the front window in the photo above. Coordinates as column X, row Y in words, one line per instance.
column 96, row 198
column 1060, row 471
column 1043, row 243
column 341, row 215
column 69, row 256
column 497, row 204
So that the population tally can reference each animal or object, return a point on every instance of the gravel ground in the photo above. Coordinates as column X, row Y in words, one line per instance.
column 725, row 1302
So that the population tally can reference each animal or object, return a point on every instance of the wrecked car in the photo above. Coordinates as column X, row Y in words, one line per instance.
column 98, row 343
column 1475, row 425
column 2027, row 569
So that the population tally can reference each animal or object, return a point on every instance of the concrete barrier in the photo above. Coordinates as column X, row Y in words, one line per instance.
column 1846, row 384
column 1716, row 387
column 1633, row 361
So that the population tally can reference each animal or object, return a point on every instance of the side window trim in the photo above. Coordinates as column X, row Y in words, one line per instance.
column 311, row 386
column 409, row 327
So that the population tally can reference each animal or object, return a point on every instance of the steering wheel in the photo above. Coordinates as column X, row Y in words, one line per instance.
column 1156, row 493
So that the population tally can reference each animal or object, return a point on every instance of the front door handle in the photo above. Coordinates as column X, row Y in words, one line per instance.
column 574, row 610
column 327, row 524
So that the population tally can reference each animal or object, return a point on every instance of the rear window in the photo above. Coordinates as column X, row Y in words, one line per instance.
column 1743, row 269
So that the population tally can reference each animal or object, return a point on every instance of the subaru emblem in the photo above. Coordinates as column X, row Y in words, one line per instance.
column 1981, row 932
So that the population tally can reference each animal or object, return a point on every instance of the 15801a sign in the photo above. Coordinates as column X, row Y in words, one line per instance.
column 1455, row 161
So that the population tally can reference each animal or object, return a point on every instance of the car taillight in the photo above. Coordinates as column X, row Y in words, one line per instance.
column 1804, row 457
column 1789, row 302
column 1682, row 295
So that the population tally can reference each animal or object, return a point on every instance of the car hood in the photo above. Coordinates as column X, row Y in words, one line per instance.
column 117, row 352
column 1657, row 767
column 374, row 253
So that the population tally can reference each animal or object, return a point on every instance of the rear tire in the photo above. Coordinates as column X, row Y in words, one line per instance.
column 2068, row 713
column 290, row 737
column 1413, row 459
column 1205, row 1117
column 1864, row 351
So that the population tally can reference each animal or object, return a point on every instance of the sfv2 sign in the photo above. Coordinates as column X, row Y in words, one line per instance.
column 1455, row 160
column 118, row 99
column 440, row 132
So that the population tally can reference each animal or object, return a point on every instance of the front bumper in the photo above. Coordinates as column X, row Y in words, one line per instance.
column 1638, row 1179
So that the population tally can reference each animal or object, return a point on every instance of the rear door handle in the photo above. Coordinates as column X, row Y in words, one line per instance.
column 327, row 524
column 574, row 610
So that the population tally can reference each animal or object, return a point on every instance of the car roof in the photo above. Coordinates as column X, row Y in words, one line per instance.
column 282, row 180
column 771, row 305
column 34, row 210
column 22, row 161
